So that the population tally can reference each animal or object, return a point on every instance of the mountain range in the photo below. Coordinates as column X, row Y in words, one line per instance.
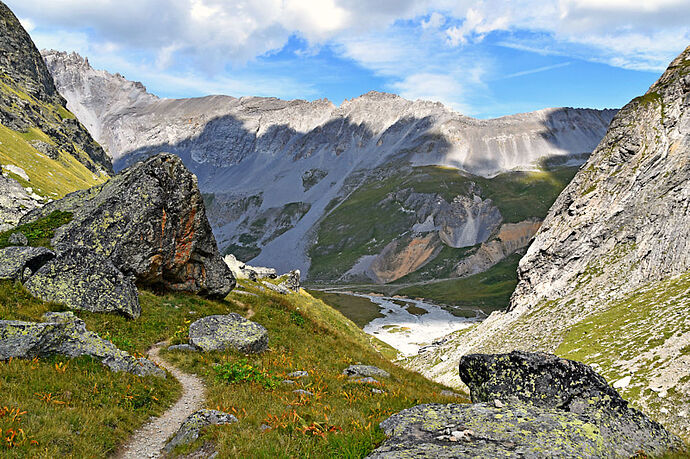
column 279, row 176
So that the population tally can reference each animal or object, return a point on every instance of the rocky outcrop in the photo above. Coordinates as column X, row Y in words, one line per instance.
column 15, row 261
column 232, row 331
column 365, row 371
column 191, row 427
column 15, row 201
column 150, row 222
column 626, row 211
column 81, row 279
column 244, row 271
column 34, row 102
column 401, row 257
column 511, row 238
column 526, row 405
column 64, row 334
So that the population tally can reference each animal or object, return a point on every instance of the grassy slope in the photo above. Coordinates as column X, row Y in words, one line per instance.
column 488, row 291
column 52, row 178
column 637, row 337
column 362, row 226
column 305, row 334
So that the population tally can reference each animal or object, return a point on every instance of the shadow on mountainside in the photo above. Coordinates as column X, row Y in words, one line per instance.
column 226, row 142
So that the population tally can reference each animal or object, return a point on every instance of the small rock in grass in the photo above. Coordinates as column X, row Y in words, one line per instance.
column 365, row 370
column 298, row 374
column 18, row 239
column 377, row 391
column 449, row 393
column 306, row 393
column 183, row 347
column 287, row 381
column 191, row 427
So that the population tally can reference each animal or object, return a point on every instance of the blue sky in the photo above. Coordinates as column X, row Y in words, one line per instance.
column 483, row 58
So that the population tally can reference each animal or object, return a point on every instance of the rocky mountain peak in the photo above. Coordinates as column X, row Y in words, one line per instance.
column 21, row 61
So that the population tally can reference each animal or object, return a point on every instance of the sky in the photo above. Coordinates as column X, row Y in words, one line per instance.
column 483, row 58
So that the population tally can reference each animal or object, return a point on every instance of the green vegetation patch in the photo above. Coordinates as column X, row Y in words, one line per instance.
column 368, row 219
column 488, row 291
column 53, row 178
column 40, row 232
column 242, row 371
column 356, row 308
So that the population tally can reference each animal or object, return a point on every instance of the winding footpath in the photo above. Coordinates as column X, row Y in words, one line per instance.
column 148, row 441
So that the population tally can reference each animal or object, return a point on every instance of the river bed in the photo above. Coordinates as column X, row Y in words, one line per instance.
column 408, row 324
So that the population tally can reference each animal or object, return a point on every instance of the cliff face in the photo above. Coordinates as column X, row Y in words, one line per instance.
column 45, row 152
column 30, row 99
column 272, row 170
column 624, row 220
column 607, row 278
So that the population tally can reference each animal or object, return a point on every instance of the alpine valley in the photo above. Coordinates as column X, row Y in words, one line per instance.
column 534, row 270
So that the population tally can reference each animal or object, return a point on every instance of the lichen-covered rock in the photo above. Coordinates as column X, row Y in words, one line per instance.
column 64, row 334
column 537, row 378
column 365, row 370
column 527, row 405
column 232, row 331
column 151, row 223
column 15, row 260
column 482, row 430
column 293, row 281
column 17, row 239
column 548, row 381
column 15, row 201
column 276, row 288
column 81, row 279
column 191, row 427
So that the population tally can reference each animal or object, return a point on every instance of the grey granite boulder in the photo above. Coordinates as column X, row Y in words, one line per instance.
column 14, row 261
column 63, row 333
column 527, row 405
column 292, row 281
column 150, row 222
column 18, row 239
column 365, row 370
column 81, row 279
column 544, row 379
column 232, row 331
column 276, row 288
column 191, row 427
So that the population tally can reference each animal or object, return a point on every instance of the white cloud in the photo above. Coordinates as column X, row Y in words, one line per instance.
column 420, row 47
column 216, row 32
column 27, row 24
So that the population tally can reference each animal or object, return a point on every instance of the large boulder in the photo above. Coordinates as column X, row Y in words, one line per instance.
column 232, row 331
column 64, row 334
column 539, row 379
column 14, row 261
column 81, row 279
column 191, row 427
column 526, row 405
column 151, row 223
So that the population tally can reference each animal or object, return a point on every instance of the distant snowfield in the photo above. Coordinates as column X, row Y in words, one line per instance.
column 408, row 332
